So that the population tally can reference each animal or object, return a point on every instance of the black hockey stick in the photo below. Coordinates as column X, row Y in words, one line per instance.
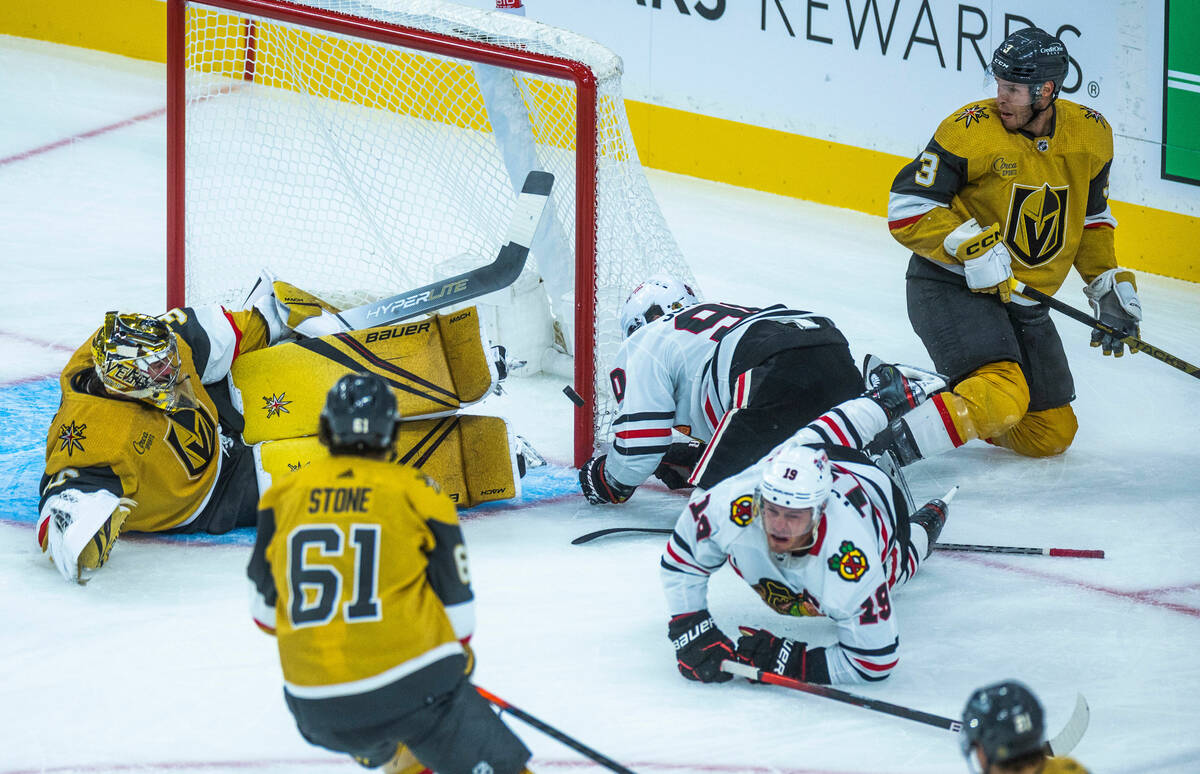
column 1063, row 743
column 1133, row 342
column 498, row 274
column 554, row 733
column 1080, row 553
column 589, row 537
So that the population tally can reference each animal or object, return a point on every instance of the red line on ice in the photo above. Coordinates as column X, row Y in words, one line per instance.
column 82, row 136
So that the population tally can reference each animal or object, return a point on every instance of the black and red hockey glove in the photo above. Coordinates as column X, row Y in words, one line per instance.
column 700, row 647
column 598, row 487
column 790, row 658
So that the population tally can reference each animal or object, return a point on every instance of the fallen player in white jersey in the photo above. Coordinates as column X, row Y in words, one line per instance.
column 817, row 529
column 737, row 379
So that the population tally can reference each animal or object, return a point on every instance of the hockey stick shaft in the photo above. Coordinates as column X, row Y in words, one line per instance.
column 1133, row 342
column 751, row 673
column 553, row 732
column 1079, row 553
column 498, row 274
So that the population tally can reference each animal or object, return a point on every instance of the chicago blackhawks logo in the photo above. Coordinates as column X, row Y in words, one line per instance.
column 192, row 435
column 784, row 601
column 849, row 563
column 69, row 437
column 973, row 114
column 276, row 405
column 1036, row 222
column 741, row 511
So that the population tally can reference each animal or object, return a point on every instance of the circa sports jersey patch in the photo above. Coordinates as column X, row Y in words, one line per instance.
column 70, row 437
column 741, row 510
column 849, row 563
column 784, row 601
column 973, row 114
column 276, row 405
column 1037, row 217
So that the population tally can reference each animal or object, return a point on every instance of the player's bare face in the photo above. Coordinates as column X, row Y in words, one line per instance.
column 788, row 529
column 1012, row 101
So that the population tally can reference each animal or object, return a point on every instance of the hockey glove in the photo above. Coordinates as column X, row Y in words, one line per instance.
column 985, row 259
column 899, row 389
column 677, row 464
column 790, row 658
column 1114, row 299
column 598, row 487
column 700, row 647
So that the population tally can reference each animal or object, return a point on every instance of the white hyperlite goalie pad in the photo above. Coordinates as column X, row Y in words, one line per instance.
column 356, row 149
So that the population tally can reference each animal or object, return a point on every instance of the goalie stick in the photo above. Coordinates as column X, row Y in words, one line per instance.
column 1079, row 553
column 498, row 274
column 1133, row 342
column 1063, row 743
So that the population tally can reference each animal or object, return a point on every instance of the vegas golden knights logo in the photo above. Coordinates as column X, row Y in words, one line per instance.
column 1036, row 222
column 192, row 434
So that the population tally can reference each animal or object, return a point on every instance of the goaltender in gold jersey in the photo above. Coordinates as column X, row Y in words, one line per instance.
column 361, row 574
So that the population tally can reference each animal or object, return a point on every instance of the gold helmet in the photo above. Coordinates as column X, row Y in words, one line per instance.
column 136, row 355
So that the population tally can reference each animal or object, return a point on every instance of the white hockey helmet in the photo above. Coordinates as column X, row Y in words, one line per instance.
column 655, row 297
column 796, row 476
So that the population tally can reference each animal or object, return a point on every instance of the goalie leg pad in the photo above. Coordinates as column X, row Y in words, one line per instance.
column 434, row 365
column 470, row 456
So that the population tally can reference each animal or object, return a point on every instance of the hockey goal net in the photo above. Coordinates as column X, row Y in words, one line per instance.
column 359, row 150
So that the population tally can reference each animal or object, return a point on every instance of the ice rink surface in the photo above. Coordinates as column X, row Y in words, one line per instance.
column 155, row 666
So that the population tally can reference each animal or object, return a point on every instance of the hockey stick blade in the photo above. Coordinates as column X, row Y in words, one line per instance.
column 589, row 537
column 1133, row 342
column 1073, row 731
column 498, row 274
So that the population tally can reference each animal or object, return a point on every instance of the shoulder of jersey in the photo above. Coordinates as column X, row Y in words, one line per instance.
column 968, row 126
column 849, row 552
column 1091, row 121
column 731, row 509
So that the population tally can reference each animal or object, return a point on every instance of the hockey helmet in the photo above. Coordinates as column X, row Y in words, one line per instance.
column 137, row 356
column 655, row 297
column 1031, row 56
column 359, row 416
column 1005, row 720
column 796, row 476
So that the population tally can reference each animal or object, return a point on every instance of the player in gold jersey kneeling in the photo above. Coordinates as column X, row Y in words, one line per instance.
column 360, row 572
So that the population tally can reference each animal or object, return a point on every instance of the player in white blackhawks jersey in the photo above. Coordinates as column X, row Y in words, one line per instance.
column 816, row 529
column 740, row 379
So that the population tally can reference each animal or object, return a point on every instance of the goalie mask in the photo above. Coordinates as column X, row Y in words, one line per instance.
column 137, row 356
column 652, row 299
column 360, row 416
column 796, row 477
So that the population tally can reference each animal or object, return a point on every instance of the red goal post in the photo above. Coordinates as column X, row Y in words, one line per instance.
column 353, row 150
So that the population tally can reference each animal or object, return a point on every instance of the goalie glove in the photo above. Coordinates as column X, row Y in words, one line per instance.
column 598, row 487
column 79, row 529
column 700, row 647
column 790, row 658
column 1114, row 300
column 985, row 260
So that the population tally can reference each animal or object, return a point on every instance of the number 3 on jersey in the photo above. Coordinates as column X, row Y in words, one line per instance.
column 318, row 571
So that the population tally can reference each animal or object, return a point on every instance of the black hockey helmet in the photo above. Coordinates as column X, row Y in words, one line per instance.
column 1031, row 56
column 1005, row 719
column 359, row 416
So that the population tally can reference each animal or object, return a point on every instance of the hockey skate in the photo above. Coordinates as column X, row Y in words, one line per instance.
column 932, row 517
